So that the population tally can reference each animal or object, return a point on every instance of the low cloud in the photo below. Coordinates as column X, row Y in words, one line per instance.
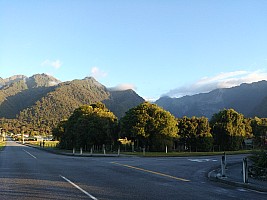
column 222, row 80
column 53, row 83
column 52, row 63
column 97, row 73
column 122, row 87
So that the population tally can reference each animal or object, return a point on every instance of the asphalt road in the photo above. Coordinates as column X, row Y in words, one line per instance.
column 29, row 173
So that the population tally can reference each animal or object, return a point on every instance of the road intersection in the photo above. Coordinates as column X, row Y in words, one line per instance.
column 29, row 173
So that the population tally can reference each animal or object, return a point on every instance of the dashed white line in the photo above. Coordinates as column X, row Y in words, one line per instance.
column 202, row 160
column 76, row 186
column 29, row 154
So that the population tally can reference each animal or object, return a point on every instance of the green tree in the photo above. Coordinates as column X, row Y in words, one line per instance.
column 89, row 125
column 195, row 133
column 149, row 126
column 259, row 130
column 248, row 128
column 259, row 159
column 228, row 129
column 59, row 130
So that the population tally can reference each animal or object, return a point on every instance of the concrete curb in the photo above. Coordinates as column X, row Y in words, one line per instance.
column 215, row 176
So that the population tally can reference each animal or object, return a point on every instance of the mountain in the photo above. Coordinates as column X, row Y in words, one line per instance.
column 42, row 100
column 248, row 99
column 120, row 101
column 261, row 109
column 42, row 80
column 20, row 92
column 12, row 79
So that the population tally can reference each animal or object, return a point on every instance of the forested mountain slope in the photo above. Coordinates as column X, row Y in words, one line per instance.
column 248, row 99
column 43, row 101
column 20, row 92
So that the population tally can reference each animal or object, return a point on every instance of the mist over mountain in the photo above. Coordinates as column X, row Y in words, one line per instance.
column 248, row 99
column 43, row 100
column 10, row 80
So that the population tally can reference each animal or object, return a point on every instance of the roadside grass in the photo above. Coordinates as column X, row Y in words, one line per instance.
column 2, row 145
column 53, row 145
column 185, row 154
column 47, row 144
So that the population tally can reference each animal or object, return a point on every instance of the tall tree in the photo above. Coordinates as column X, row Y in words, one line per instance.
column 149, row 126
column 89, row 125
column 259, row 130
column 228, row 129
column 195, row 133
column 59, row 130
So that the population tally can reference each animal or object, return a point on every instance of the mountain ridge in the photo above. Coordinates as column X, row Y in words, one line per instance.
column 35, row 100
column 244, row 99
column 43, row 99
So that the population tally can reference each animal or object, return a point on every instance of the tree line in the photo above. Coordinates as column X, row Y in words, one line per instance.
column 153, row 128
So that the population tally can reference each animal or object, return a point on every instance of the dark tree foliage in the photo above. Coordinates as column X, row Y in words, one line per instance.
column 59, row 130
column 228, row 129
column 149, row 126
column 259, row 158
column 195, row 133
column 259, row 130
column 87, row 126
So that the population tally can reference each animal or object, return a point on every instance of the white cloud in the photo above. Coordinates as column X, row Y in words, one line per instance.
column 151, row 99
column 53, row 83
column 52, row 63
column 222, row 80
column 122, row 87
column 97, row 73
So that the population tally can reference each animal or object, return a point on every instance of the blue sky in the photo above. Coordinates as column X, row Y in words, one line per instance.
column 156, row 47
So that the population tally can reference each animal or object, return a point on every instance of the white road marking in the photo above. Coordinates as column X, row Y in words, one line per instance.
column 82, row 190
column 199, row 160
column 202, row 160
column 29, row 154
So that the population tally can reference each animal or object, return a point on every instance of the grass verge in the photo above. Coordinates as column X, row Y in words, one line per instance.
column 185, row 154
column 53, row 144
column 2, row 145
column 47, row 144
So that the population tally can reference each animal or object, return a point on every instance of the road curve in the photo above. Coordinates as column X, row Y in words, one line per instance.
column 29, row 173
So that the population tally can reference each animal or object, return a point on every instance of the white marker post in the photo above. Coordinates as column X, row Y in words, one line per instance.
column 73, row 151
column 23, row 142
column 104, row 149
column 81, row 150
column 223, row 166
column 245, row 170
column 119, row 151
column 225, row 159
column 144, row 151
column 132, row 146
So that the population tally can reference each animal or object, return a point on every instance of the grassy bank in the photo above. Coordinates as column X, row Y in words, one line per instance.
column 185, row 154
column 47, row 144
column 2, row 145
column 53, row 144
